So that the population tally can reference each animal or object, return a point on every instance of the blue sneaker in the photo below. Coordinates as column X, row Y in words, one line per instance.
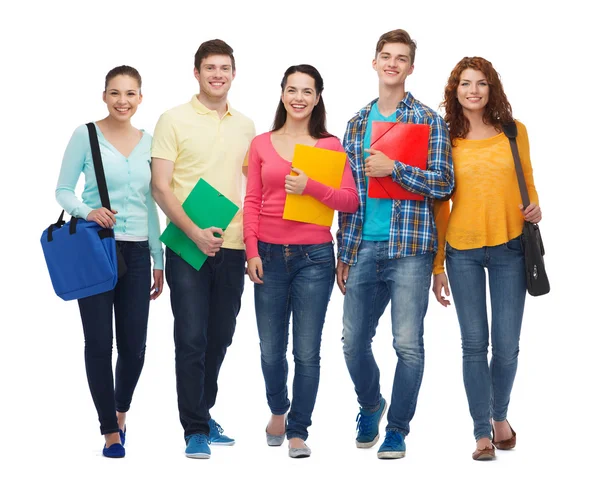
column 122, row 434
column 197, row 446
column 393, row 446
column 216, row 435
column 367, row 426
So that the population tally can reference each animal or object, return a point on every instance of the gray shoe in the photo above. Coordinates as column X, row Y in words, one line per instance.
column 275, row 440
column 300, row 452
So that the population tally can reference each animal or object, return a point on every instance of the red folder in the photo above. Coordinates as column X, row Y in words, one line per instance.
column 406, row 143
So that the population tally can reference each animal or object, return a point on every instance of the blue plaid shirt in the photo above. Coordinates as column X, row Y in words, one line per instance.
column 412, row 229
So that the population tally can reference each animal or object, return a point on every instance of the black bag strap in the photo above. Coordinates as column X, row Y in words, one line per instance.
column 510, row 130
column 100, row 178
column 98, row 169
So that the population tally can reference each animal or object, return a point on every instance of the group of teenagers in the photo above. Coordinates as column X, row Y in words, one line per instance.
column 388, row 250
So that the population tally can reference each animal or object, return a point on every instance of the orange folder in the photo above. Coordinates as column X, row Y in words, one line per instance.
column 323, row 165
column 406, row 143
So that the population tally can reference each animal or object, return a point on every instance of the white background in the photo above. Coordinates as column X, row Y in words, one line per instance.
column 54, row 59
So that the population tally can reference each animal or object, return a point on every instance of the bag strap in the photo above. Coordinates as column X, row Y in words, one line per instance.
column 98, row 168
column 510, row 130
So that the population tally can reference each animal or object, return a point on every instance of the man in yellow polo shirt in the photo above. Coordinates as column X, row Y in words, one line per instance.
column 204, row 138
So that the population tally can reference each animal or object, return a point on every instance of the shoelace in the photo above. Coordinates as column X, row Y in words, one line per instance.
column 364, row 422
column 200, row 438
column 217, row 426
column 392, row 438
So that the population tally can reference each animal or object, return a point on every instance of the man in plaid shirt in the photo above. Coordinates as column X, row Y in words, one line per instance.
column 386, row 249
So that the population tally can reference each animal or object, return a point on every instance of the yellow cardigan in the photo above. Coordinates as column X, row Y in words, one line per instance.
column 485, row 204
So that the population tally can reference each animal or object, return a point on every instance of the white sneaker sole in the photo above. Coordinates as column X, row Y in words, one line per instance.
column 197, row 455
column 391, row 455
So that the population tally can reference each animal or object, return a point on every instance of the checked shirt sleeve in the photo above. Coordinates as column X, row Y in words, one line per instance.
column 438, row 180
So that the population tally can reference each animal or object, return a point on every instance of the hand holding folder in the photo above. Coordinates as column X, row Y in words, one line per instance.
column 406, row 143
column 324, row 166
column 206, row 207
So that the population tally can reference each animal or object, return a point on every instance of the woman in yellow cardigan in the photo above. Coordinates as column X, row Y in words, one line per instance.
column 482, row 231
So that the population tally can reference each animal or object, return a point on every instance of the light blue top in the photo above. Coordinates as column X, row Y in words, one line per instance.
column 128, row 181
column 378, row 212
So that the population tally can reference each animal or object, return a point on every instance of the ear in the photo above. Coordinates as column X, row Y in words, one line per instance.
column 374, row 63
column 141, row 97
column 232, row 74
column 411, row 69
column 104, row 96
column 318, row 99
column 196, row 74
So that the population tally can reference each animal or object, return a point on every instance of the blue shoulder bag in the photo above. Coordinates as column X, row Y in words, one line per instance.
column 81, row 255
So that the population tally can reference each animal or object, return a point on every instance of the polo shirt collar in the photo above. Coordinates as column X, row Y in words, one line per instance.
column 203, row 109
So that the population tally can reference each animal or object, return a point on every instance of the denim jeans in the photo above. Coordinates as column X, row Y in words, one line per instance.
column 488, row 386
column 298, row 280
column 130, row 300
column 205, row 305
column 371, row 284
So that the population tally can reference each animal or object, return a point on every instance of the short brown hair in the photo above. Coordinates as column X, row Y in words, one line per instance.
column 397, row 36
column 213, row 47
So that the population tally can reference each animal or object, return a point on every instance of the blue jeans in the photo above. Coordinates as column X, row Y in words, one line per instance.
column 297, row 279
column 488, row 386
column 130, row 300
column 371, row 284
column 205, row 305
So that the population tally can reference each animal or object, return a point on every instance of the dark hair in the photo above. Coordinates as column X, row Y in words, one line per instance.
column 123, row 70
column 317, row 124
column 213, row 47
column 397, row 36
column 497, row 111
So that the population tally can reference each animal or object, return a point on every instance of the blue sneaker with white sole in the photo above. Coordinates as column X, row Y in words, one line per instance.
column 216, row 435
column 393, row 446
column 367, row 425
column 197, row 446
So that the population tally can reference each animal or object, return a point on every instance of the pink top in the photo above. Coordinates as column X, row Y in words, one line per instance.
column 265, row 198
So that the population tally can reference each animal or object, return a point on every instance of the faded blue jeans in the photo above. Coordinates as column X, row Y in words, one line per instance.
column 488, row 386
column 371, row 284
column 298, row 280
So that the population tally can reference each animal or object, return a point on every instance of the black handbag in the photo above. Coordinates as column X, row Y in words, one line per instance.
column 531, row 240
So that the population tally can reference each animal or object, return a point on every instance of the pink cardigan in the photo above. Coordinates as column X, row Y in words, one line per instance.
column 265, row 198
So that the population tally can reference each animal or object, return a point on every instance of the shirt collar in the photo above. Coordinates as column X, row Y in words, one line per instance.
column 204, row 110
column 408, row 100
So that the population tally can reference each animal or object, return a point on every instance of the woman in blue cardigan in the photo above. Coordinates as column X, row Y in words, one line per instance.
column 126, row 154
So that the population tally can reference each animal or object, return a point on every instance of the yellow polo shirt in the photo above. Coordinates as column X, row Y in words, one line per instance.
column 202, row 145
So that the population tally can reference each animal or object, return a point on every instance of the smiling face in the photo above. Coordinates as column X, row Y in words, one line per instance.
column 122, row 97
column 299, row 96
column 473, row 91
column 215, row 76
column 393, row 64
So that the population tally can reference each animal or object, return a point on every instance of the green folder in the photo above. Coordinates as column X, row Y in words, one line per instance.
column 206, row 207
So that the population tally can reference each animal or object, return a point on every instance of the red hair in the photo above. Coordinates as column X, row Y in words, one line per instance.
column 497, row 111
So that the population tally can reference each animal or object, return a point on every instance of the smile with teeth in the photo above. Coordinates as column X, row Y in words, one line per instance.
column 122, row 109
column 217, row 84
column 298, row 106
column 391, row 72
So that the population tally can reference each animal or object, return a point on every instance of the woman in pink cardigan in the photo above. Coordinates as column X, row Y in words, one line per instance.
column 291, row 263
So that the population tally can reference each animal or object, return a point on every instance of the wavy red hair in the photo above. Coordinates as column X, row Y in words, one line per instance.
column 497, row 111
